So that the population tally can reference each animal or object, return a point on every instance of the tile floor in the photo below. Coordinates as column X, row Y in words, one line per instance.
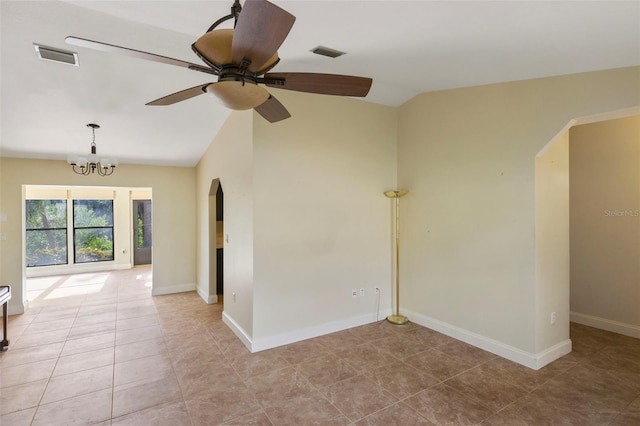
column 98, row 349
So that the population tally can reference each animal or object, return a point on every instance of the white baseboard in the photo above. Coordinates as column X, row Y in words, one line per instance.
column 207, row 298
column 80, row 268
column 270, row 342
column 275, row 341
column 551, row 354
column 237, row 330
column 528, row 359
column 531, row 360
column 606, row 324
column 180, row 288
column 17, row 308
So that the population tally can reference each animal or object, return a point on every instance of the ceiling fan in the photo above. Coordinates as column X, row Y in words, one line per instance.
column 242, row 59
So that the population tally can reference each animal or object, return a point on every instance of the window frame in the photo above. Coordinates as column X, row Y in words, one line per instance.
column 57, row 228
column 75, row 228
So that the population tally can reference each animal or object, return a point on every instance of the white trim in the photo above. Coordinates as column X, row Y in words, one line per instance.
column 207, row 299
column 528, row 359
column 237, row 330
column 270, row 342
column 606, row 324
column 171, row 289
column 551, row 354
column 13, row 309
column 78, row 268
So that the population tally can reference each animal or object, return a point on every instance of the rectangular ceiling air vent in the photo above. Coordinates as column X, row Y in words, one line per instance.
column 57, row 55
column 326, row 51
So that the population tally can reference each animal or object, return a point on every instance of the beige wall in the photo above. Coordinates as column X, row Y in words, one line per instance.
column 174, row 216
column 322, row 225
column 605, row 225
column 305, row 216
column 467, row 156
column 307, row 221
column 229, row 158
column 552, row 243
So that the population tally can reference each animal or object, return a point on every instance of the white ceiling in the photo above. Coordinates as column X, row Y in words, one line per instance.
column 407, row 47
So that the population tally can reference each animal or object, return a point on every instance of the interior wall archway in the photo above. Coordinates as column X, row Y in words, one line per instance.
column 552, row 235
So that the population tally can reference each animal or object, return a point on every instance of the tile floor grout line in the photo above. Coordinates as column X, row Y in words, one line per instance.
column 35, row 413
column 173, row 370
column 113, row 375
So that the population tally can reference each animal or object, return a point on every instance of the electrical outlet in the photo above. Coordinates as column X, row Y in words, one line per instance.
column 361, row 291
column 553, row 318
column 354, row 293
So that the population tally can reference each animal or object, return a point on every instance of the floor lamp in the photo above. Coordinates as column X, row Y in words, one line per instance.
column 396, row 318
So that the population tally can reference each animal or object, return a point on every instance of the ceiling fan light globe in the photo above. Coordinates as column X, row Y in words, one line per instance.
column 238, row 95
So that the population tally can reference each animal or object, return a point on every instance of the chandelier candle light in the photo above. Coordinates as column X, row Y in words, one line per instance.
column 91, row 164
column 396, row 318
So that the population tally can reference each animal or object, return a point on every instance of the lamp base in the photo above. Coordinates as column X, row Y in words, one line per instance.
column 397, row 319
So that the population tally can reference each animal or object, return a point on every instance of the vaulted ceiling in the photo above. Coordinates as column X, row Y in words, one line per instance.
column 407, row 47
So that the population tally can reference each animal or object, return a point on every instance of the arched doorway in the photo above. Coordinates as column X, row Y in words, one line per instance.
column 216, row 242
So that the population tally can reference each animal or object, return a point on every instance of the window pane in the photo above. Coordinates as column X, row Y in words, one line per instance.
column 90, row 213
column 93, row 245
column 144, row 224
column 45, row 214
column 46, row 232
column 93, row 230
column 46, row 247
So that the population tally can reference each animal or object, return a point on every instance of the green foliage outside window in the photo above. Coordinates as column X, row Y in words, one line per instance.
column 140, row 233
column 46, row 232
column 93, row 230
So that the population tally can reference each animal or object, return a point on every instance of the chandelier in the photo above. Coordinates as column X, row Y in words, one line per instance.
column 91, row 164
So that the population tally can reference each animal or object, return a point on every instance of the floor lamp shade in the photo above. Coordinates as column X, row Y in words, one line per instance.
column 396, row 318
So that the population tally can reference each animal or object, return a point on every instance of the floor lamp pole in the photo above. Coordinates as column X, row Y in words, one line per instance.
column 396, row 318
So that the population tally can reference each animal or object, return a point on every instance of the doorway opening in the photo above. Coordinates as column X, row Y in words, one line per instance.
column 216, row 242
column 558, row 213
column 142, row 229
column 75, row 236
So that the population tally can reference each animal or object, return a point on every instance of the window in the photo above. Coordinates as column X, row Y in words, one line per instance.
column 46, row 232
column 93, row 230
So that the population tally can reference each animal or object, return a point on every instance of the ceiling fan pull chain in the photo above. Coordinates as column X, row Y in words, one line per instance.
column 244, row 65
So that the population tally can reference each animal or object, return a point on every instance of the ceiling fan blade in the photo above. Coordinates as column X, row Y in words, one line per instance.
column 327, row 84
column 272, row 110
column 260, row 31
column 111, row 48
column 180, row 96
